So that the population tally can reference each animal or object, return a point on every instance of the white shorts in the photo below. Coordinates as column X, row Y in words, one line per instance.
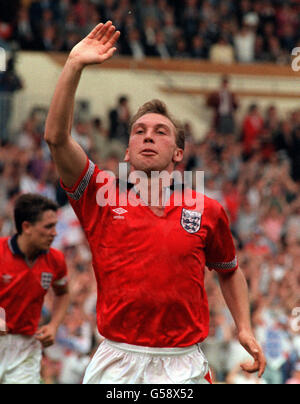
column 116, row 363
column 20, row 360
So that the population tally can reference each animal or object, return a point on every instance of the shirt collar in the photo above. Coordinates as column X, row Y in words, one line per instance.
column 15, row 249
column 129, row 185
column 167, row 191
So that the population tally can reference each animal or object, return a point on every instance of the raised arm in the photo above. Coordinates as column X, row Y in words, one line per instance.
column 68, row 156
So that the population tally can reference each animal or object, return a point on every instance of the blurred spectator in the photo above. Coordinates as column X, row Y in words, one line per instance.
column 263, row 204
column 190, row 17
column 263, row 31
column 244, row 43
column 295, row 379
column 6, row 31
column 99, row 138
column 159, row 47
column 222, row 52
column 215, row 346
column 9, row 84
column 23, row 31
column 286, row 17
column 181, row 49
column 256, row 177
column 247, row 223
column 198, row 49
column 104, row 147
column 252, row 129
column 150, row 30
column 81, row 133
column 134, row 46
column 294, row 154
column 119, row 118
column 148, row 9
column 277, row 348
column 49, row 40
column 224, row 103
column 170, row 30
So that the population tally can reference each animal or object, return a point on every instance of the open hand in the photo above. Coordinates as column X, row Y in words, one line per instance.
column 97, row 47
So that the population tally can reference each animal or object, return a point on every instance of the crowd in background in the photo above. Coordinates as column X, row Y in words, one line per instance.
column 219, row 30
column 251, row 163
column 251, row 166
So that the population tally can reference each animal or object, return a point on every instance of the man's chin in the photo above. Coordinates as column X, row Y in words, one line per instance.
column 45, row 246
column 148, row 168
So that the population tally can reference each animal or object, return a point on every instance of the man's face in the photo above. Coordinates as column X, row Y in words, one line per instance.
column 42, row 233
column 152, row 145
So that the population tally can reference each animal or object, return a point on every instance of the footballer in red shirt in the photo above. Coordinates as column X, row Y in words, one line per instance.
column 29, row 267
column 149, row 261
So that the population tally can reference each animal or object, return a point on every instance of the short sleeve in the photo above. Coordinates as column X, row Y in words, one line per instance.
column 82, row 196
column 75, row 193
column 220, row 249
column 94, row 190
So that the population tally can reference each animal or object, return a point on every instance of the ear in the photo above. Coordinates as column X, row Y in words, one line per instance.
column 126, row 158
column 26, row 226
column 178, row 156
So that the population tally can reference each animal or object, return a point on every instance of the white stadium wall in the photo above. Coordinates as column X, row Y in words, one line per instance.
column 183, row 85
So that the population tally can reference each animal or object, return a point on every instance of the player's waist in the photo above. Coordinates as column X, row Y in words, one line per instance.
column 152, row 350
column 11, row 341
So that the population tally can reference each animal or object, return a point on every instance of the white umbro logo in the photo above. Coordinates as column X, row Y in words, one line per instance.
column 120, row 212
column 6, row 278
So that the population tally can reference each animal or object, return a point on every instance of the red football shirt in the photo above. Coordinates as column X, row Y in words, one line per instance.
column 150, row 269
column 22, row 288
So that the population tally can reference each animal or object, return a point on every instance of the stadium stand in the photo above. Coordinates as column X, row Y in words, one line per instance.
column 246, row 31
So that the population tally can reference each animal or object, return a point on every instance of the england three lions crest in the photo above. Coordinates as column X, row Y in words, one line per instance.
column 46, row 280
column 191, row 220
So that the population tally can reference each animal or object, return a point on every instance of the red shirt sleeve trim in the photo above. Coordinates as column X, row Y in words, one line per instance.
column 74, row 188
column 79, row 189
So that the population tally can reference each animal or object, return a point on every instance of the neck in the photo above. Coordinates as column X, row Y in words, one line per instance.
column 30, row 252
column 151, row 187
column 152, row 190
column 155, row 192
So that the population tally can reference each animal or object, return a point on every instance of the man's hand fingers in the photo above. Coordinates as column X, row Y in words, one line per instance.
column 93, row 34
column 259, row 364
column 103, row 31
column 45, row 339
column 262, row 364
column 250, row 367
column 114, row 38
column 106, row 41
column 41, row 335
column 48, row 343
column 110, row 53
column 112, row 41
column 255, row 350
column 49, row 340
